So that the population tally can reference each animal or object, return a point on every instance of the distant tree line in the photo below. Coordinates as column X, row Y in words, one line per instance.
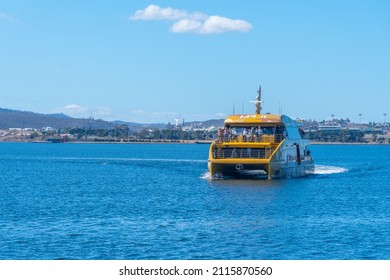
column 344, row 136
column 177, row 133
column 172, row 133
column 123, row 132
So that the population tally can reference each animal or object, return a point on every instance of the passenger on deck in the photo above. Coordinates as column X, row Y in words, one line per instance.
column 233, row 134
column 244, row 134
column 227, row 135
column 252, row 134
column 220, row 134
column 257, row 134
column 248, row 135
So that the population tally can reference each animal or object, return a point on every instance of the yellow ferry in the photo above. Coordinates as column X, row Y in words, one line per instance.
column 260, row 145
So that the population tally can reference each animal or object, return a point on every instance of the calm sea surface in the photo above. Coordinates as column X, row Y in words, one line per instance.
column 140, row 201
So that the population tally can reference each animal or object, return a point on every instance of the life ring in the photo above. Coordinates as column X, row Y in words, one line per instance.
column 239, row 167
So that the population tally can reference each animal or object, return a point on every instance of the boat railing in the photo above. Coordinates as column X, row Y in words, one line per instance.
column 251, row 153
column 265, row 138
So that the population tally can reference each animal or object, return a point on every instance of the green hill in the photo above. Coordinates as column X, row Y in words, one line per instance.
column 23, row 119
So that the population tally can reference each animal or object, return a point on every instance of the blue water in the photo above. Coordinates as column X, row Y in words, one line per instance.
column 140, row 201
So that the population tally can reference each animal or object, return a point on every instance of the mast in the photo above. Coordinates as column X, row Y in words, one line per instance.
column 258, row 101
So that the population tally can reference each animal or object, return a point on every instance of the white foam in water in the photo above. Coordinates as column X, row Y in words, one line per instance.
column 206, row 176
column 318, row 169
column 326, row 169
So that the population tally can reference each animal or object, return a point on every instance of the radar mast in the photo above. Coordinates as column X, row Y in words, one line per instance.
column 258, row 101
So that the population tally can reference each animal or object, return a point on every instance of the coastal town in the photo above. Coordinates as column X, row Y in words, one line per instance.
column 326, row 131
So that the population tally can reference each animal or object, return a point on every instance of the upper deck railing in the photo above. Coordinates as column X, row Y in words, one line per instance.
column 247, row 153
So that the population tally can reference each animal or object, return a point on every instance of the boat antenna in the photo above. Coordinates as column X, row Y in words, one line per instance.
column 258, row 101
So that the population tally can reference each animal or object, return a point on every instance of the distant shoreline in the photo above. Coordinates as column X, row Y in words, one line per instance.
column 208, row 142
column 347, row 143
column 143, row 142
column 118, row 142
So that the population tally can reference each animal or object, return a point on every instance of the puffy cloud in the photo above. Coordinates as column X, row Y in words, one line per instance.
column 102, row 112
column 186, row 22
column 73, row 109
column 217, row 24
column 220, row 115
column 155, row 115
column 213, row 24
column 186, row 25
column 142, row 116
column 153, row 12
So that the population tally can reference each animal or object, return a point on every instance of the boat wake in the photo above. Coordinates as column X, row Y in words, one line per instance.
column 206, row 176
column 326, row 169
column 318, row 170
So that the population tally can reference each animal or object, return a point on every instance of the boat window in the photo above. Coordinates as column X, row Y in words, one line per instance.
column 268, row 130
column 279, row 129
column 252, row 133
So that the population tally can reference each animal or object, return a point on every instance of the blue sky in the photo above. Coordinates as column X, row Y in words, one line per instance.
column 155, row 61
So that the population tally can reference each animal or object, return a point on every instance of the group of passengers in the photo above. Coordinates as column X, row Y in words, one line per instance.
column 246, row 134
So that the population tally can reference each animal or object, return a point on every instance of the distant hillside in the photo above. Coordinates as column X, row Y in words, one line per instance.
column 208, row 123
column 59, row 115
column 140, row 126
column 22, row 119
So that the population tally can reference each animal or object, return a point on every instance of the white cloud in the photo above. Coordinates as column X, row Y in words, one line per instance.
column 220, row 115
column 186, row 22
column 213, row 24
column 101, row 112
column 153, row 12
column 155, row 115
column 75, row 110
column 217, row 24
column 186, row 25
column 72, row 109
